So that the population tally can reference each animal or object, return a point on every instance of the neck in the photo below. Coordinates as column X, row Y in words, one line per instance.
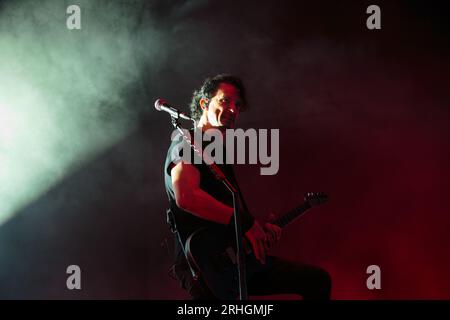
column 204, row 125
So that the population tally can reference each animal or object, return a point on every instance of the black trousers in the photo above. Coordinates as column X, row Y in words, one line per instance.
column 283, row 277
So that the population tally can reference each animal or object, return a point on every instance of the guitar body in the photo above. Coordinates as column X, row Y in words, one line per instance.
column 212, row 253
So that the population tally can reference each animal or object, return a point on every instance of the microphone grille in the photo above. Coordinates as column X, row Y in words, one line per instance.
column 159, row 103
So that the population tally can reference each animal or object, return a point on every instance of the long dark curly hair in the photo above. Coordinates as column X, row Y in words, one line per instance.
column 209, row 90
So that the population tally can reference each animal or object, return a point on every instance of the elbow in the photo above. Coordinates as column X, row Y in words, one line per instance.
column 184, row 201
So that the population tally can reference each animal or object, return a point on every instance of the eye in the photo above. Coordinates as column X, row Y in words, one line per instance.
column 224, row 101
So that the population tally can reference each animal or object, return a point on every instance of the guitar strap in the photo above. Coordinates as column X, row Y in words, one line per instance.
column 173, row 228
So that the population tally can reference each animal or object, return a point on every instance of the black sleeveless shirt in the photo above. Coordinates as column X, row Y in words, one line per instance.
column 186, row 222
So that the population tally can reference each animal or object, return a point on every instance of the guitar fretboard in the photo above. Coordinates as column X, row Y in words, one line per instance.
column 291, row 215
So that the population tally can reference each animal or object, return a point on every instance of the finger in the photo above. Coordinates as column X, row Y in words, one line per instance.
column 266, row 241
column 278, row 232
column 256, row 251
column 260, row 247
column 270, row 243
column 268, row 226
column 274, row 233
column 262, row 253
column 275, row 238
column 267, row 244
column 272, row 227
column 272, row 237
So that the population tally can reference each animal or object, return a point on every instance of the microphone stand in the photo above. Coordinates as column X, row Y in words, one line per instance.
column 219, row 175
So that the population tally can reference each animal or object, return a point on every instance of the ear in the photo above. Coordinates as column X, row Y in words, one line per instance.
column 204, row 103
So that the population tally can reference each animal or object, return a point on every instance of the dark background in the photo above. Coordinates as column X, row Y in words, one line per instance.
column 363, row 115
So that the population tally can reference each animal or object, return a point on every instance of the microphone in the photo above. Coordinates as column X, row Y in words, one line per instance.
column 162, row 105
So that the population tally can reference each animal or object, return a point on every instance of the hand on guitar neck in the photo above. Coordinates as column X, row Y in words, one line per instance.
column 262, row 239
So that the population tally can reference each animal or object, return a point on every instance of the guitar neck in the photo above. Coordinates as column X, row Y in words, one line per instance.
column 292, row 215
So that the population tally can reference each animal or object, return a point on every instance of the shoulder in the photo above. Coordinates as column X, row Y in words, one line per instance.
column 180, row 150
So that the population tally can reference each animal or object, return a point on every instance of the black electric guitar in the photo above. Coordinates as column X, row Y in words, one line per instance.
column 212, row 252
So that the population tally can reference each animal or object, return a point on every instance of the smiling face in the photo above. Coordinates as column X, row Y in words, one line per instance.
column 222, row 110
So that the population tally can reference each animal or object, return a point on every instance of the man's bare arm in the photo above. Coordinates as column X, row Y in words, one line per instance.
column 189, row 196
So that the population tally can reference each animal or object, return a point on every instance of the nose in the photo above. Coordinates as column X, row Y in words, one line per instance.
column 231, row 112
column 232, row 108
